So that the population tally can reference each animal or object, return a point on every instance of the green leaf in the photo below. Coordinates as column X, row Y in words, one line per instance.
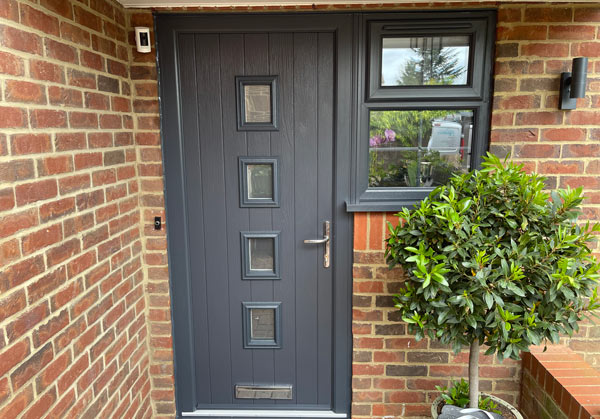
column 508, row 351
column 489, row 300
column 471, row 321
column 440, row 279
column 514, row 288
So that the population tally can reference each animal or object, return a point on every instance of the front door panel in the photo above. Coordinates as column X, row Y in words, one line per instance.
column 262, row 299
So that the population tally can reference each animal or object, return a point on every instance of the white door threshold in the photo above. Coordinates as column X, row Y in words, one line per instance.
column 236, row 413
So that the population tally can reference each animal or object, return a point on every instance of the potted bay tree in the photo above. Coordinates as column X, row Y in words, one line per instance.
column 492, row 260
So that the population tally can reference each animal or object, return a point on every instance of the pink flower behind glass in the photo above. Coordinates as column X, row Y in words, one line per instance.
column 376, row 141
column 390, row 136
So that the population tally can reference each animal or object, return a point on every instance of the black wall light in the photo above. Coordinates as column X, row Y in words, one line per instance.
column 572, row 85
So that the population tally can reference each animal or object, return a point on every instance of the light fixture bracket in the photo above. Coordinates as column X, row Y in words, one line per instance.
column 565, row 100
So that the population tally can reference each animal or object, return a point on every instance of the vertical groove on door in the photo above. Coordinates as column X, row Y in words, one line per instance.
column 191, row 163
column 211, row 143
column 325, row 157
column 228, row 255
column 295, row 228
column 282, row 145
column 234, row 145
column 307, row 223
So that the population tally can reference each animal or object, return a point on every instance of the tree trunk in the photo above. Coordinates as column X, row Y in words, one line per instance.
column 474, row 374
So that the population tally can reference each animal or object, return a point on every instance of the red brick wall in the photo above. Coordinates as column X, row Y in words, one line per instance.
column 73, row 336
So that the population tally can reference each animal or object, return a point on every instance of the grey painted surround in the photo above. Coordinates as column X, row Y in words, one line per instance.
column 199, row 58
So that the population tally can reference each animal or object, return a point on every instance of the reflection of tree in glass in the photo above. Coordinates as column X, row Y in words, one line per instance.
column 434, row 65
column 405, row 172
column 260, row 183
column 406, row 161
column 406, row 125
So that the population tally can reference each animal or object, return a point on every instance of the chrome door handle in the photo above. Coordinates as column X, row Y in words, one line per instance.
column 317, row 241
column 325, row 239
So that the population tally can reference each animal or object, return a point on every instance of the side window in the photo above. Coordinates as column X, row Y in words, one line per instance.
column 424, row 104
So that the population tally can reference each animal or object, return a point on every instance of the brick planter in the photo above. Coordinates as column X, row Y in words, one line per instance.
column 559, row 384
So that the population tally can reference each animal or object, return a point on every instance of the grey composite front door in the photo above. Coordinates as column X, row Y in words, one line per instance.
column 257, row 121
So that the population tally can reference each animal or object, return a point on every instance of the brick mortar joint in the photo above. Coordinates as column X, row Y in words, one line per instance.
column 78, row 213
column 541, row 403
column 64, row 263
column 84, row 6
column 28, row 336
column 77, row 46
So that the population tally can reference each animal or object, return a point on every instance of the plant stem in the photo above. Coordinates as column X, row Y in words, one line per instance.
column 474, row 374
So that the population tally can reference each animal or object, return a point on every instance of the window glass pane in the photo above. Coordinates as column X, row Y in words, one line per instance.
column 411, row 148
column 262, row 251
column 257, row 99
column 263, row 323
column 260, row 181
column 425, row 61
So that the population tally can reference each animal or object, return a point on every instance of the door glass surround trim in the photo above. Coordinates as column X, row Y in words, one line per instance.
column 269, row 124
column 252, row 273
column 246, row 201
column 251, row 342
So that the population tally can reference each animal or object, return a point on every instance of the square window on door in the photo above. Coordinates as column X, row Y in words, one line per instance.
column 261, row 323
column 259, row 181
column 260, row 255
column 256, row 103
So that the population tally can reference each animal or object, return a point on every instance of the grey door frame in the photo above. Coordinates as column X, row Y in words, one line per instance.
column 168, row 27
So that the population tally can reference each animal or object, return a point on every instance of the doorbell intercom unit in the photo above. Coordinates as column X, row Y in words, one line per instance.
column 142, row 39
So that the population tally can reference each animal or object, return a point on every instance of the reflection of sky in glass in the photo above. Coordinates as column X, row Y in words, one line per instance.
column 394, row 59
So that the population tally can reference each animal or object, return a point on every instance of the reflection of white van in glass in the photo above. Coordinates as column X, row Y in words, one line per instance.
column 445, row 137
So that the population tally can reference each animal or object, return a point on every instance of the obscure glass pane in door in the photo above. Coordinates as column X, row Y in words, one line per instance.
column 262, row 324
column 425, row 61
column 260, row 181
column 410, row 148
column 257, row 98
column 262, row 254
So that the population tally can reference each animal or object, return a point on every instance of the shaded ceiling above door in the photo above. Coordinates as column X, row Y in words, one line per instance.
column 254, row 3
